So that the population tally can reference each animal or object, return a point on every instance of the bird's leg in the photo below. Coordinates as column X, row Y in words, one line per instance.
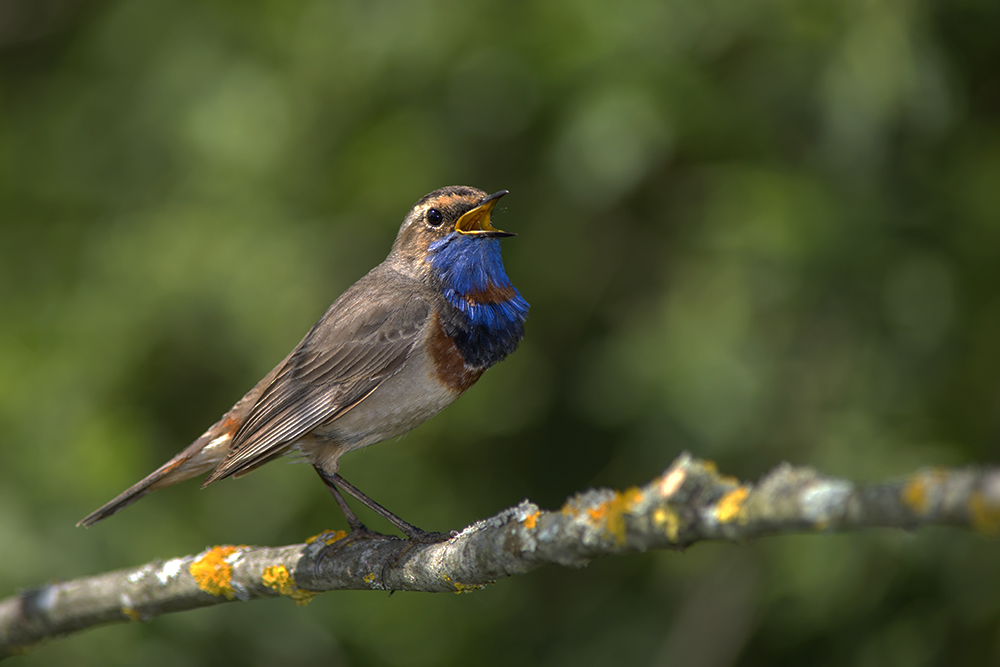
column 359, row 531
column 408, row 529
column 335, row 483
column 352, row 519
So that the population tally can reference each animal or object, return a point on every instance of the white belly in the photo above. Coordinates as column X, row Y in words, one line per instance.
column 399, row 404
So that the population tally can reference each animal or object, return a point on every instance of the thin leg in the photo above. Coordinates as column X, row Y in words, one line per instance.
column 335, row 483
column 407, row 529
column 352, row 519
column 358, row 530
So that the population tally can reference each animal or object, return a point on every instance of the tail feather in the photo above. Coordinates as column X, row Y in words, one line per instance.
column 200, row 456
column 129, row 495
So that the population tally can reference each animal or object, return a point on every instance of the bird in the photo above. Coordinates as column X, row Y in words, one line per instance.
column 396, row 348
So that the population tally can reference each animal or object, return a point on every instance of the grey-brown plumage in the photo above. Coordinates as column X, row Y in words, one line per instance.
column 391, row 352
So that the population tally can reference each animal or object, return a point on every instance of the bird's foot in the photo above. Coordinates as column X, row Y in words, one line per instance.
column 415, row 538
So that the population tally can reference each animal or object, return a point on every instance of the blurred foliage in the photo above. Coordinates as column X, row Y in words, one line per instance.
column 758, row 230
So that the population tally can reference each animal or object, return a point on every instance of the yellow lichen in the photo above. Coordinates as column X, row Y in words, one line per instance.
column 530, row 520
column 463, row 588
column 277, row 577
column 467, row 588
column 611, row 514
column 668, row 521
column 731, row 504
column 131, row 614
column 369, row 578
column 985, row 515
column 600, row 512
column 328, row 536
column 915, row 495
column 213, row 574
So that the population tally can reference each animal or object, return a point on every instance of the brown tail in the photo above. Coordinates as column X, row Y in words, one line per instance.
column 200, row 456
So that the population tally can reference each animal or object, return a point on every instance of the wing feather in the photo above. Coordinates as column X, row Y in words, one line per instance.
column 361, row 341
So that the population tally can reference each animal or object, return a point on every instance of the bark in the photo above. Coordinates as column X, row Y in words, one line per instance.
column 690, row 502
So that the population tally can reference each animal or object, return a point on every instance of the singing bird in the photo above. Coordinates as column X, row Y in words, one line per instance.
column 394, row 350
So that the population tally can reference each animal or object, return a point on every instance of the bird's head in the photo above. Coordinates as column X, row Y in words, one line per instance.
column 449, row 226
column 449, row 240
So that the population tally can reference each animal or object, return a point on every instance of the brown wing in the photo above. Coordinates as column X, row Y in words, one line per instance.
column 360, row 342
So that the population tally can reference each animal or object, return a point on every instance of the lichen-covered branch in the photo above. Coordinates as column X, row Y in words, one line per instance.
column 689, row 503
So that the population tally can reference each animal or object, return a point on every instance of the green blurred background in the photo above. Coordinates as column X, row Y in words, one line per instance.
column 758, row 230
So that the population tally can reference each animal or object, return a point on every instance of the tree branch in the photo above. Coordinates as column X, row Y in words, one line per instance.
column 689, row 503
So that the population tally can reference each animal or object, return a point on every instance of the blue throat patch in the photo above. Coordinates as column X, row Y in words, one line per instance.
column 475, row 283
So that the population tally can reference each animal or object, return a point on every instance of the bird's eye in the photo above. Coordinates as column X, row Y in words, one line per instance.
column 434, row 217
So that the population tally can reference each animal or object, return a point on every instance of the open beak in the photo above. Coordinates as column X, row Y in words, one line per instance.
column 477, row 221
